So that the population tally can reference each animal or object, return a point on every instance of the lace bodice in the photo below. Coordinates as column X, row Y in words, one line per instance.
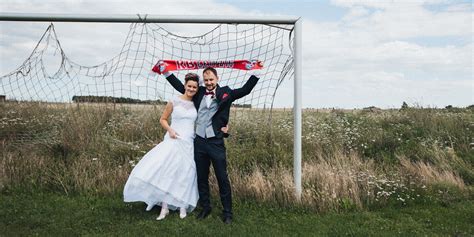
column 183, row 117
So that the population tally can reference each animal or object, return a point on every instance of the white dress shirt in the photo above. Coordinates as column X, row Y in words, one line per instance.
column 210, row 97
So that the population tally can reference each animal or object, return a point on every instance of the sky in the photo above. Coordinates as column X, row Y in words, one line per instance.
column 356, row 54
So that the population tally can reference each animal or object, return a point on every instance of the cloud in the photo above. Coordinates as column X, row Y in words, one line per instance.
column 391, row 20
column 369, row 57
column 385, row 4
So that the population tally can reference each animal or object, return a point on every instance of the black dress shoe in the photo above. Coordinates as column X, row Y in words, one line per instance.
column 227, row 220
column 203, row 214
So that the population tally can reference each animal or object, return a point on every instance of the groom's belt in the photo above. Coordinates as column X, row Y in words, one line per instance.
column 208, row 138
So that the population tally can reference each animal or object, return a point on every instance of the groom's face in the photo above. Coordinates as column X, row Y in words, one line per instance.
column 210, row 80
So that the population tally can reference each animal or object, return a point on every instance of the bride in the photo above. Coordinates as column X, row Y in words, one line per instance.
column 166, row 175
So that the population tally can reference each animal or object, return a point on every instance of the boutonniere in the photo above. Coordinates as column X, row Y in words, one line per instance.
column 224, row 95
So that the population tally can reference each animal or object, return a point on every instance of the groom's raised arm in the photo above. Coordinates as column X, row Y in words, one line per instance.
column 176, row 83
column 246, row 89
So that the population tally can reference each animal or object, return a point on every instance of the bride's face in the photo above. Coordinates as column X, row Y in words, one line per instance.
column 190, row 88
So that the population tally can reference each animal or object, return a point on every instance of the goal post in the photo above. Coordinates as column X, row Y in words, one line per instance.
column 296, row 22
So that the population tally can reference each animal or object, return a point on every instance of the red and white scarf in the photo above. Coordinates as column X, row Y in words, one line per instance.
column 163, row 66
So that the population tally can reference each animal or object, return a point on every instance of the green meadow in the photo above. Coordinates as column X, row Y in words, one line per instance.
column 365, row 172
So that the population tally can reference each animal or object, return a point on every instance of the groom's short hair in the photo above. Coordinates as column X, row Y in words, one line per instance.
column 213, row 70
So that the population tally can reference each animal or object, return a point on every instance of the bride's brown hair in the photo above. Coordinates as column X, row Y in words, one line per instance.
column 191, row 77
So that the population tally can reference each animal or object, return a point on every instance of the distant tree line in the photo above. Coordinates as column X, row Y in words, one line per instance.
column 124, row 100
column 110, row 99
column 242, row 105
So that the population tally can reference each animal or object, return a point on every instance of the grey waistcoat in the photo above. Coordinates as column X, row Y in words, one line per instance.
column 204, row 119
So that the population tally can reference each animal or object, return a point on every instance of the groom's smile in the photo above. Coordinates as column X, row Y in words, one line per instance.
column 210, row 80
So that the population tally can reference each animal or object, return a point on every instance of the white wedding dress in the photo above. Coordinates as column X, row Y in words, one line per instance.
column 167, row 173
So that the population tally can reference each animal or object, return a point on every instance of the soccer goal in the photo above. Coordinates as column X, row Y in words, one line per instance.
column 127, row 76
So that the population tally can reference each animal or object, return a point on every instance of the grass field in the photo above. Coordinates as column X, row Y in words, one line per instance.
column 52, row 214
column 388, row 172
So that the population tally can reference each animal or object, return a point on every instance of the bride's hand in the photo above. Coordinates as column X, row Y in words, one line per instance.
column 173, row 134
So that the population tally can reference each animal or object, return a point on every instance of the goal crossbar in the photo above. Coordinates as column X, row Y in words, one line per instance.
column 146, row 18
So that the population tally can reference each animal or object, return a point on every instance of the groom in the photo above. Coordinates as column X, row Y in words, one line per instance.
column 213, row 105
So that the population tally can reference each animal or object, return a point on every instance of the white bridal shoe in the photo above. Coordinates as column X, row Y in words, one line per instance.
column 149, row 207
column 182, row 213
column 163, row 214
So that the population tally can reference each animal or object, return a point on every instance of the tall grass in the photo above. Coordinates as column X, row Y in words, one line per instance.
column 352, row 159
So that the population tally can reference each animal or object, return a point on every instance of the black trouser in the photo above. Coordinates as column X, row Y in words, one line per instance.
column 207, row 151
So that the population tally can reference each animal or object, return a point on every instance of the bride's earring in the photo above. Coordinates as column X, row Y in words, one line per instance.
column 164, row 212
column 182, row 212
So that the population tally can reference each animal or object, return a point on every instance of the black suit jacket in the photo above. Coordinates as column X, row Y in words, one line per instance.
column 224, row 96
